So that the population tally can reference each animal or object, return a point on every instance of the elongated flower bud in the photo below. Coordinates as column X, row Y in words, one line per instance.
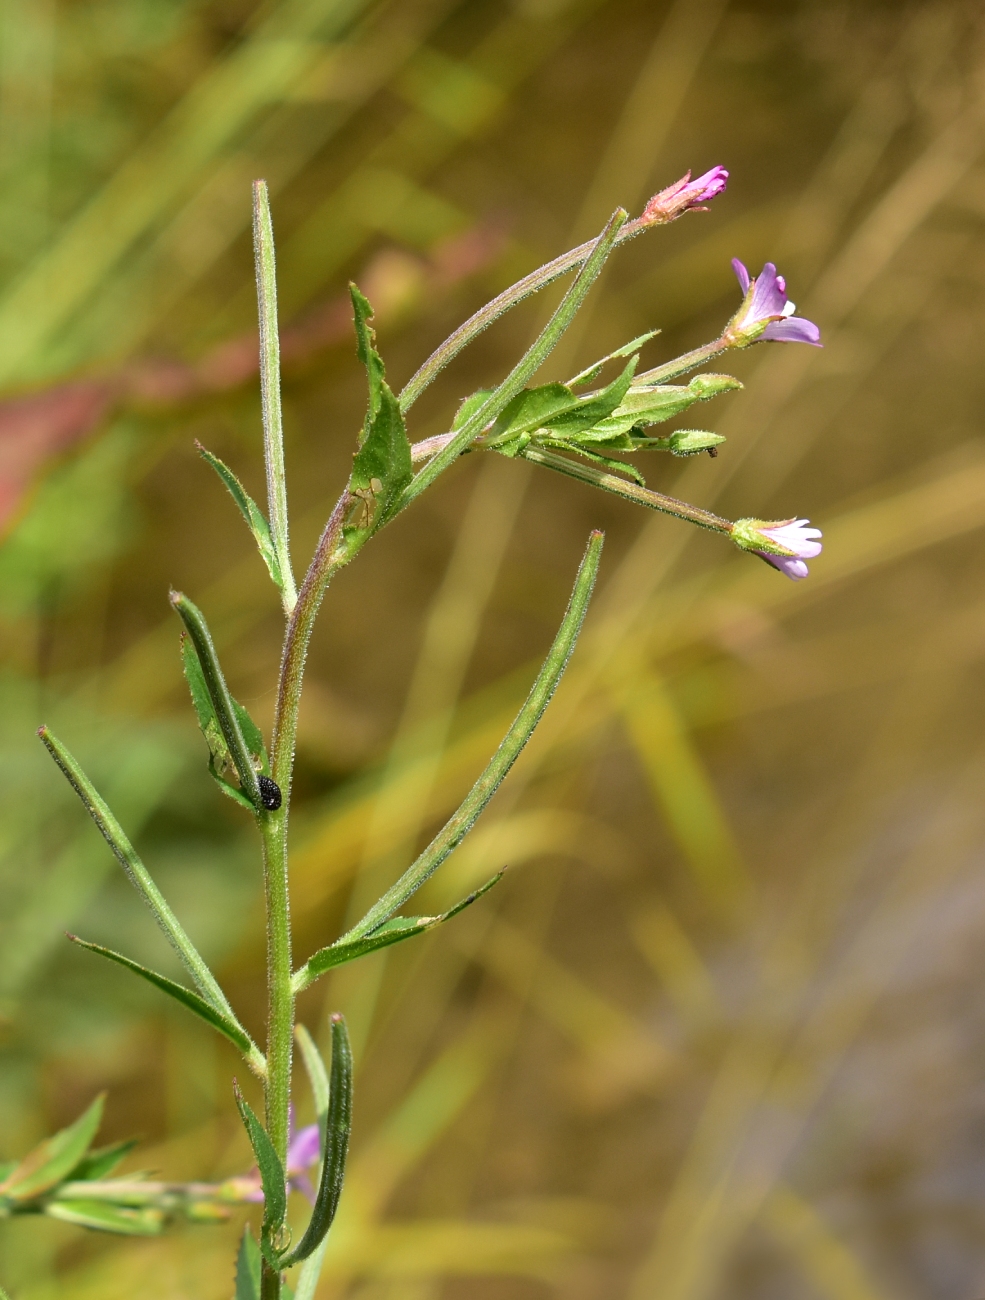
column 784, row 543
column 683, row 196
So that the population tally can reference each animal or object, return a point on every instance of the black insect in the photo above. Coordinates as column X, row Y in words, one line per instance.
column 269, row 793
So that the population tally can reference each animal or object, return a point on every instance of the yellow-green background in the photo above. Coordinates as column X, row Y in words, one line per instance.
column 719, row 1032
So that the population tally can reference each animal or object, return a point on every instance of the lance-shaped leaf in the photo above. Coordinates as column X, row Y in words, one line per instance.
column 272, row 1176
column 249, row 1266
column 227, row 1025
column 53, row 1160
column 382, row 467
column 227, row 715
column 220, row 759
column 522, row 728
column 594, row 370
column 139, row 876
column 256, row 520
column 124, row 1220
column 338, row 1124
column 554, row 412
column 646, row 406
column 393, row 931
column 101, row 1162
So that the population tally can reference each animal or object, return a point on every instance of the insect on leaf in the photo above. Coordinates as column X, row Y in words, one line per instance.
column 255, row 518
column 226, row 1025
column 105, row 1217
column 54, row 1159
column 393, row 931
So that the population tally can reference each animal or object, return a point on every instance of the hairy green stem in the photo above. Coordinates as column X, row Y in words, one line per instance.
column 682, row 364
column 273, row 429
column 630, row 491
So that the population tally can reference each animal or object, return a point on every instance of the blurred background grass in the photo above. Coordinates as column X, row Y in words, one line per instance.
column 717, row 1032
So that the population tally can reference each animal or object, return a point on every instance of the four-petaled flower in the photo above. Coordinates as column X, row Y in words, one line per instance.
column 683, row 196
column 784, row 543
column 766, row 312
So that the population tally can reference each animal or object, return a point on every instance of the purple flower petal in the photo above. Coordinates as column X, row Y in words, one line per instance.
column 793, row 329
column 742, row 275
column 768, row 299
column 304, row 1150
column 302, row 1184
column 710, row 185
column 788, row 564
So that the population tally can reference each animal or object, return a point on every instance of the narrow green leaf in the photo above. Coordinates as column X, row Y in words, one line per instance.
column 530, row 410
column 382, row 466
column 526, row 367
column 5, row 1296
column 591, row 372
column 268, row 1162
column 469, row 407
column 255, row 518
column 209, row 723
column 590, row 410
column 105, row 1217
column 315, row 1068
column 337, row 1128
column 393, row 931
column 273, row 432
column 522, row 728
column 100, row 1163
column 248, row 1268
column 227, row 1025
column 368, row 355
column 607, row 463
column 54, row 1159
column 139, row 876
column 227, row 714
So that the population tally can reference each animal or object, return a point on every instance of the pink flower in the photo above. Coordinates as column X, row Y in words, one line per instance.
column 790, row 543
column 767, row 312
column 683, row 196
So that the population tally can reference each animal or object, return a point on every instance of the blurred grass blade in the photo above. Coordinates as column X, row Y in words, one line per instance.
column 337, row 1128
column 315, row 1068
column 102, row 1162
column 227, row 1025
column 112, row 833
column 273, row 426
column 310, row 1273
column 123, row 1220
column 226, row 713
column 255, row 518
column 54, row 1159
column 268, row 1162
column 248, row 1268
column 522, row 728
column 390, row 932
column 527, row 366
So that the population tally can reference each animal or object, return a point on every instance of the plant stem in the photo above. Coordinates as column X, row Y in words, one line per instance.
column 630, row 491
column 273, row 428
column 681, row 365
column 526, row 367
column 508, row 299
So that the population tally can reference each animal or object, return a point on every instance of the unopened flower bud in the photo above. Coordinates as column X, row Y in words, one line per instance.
column 784, row 543
column 683, row 196
column 688, row 442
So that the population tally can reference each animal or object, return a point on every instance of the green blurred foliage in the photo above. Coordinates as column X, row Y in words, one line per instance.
column 717, row 1032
